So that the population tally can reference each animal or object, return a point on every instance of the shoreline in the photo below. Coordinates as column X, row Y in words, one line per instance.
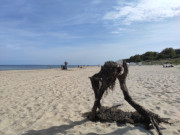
column 36, row 67
column 76, row 66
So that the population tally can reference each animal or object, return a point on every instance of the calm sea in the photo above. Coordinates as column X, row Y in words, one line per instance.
column 31, row 67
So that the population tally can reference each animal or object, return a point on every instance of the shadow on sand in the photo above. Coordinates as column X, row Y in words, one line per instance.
column 56, row 129
column 63, row 130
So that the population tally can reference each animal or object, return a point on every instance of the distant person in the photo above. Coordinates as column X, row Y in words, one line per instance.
column 65, row 65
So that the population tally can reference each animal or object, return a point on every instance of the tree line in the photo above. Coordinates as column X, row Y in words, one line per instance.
column 167, row 53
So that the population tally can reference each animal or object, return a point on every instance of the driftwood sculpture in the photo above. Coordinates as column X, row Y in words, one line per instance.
column 105, row 80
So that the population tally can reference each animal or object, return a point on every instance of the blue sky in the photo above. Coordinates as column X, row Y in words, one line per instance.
column 85, row 31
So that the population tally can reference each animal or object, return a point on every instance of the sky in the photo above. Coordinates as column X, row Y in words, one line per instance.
column 85, row 32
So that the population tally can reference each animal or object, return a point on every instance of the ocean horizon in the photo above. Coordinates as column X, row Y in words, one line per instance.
column 32, row 67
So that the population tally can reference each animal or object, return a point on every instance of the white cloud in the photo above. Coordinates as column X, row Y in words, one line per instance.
column 118, row 31
column 143, row 10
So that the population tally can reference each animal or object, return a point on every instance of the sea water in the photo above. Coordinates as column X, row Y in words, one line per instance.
column 31, row 67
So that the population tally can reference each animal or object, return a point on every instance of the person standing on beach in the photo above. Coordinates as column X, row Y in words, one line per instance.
column 65, row 63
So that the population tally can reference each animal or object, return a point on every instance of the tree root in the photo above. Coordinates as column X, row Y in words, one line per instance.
column 113, row 114
column 106, row 79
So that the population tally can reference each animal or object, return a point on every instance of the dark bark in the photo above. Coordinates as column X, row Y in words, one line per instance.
column 106, row 79
column 148, row 115
column 113, row 114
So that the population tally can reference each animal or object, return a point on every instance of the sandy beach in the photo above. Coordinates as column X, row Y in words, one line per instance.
column 52, row 101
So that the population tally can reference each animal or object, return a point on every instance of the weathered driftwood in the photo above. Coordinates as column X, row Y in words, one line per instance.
column 113, row 114
column 105, row 80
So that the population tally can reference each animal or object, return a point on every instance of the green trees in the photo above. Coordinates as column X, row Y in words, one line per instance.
column 149, row 56
column 135, row 58
column 167, row 53
column 177, row 53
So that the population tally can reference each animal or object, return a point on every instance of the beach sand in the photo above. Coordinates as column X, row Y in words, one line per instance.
column 52, row 101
